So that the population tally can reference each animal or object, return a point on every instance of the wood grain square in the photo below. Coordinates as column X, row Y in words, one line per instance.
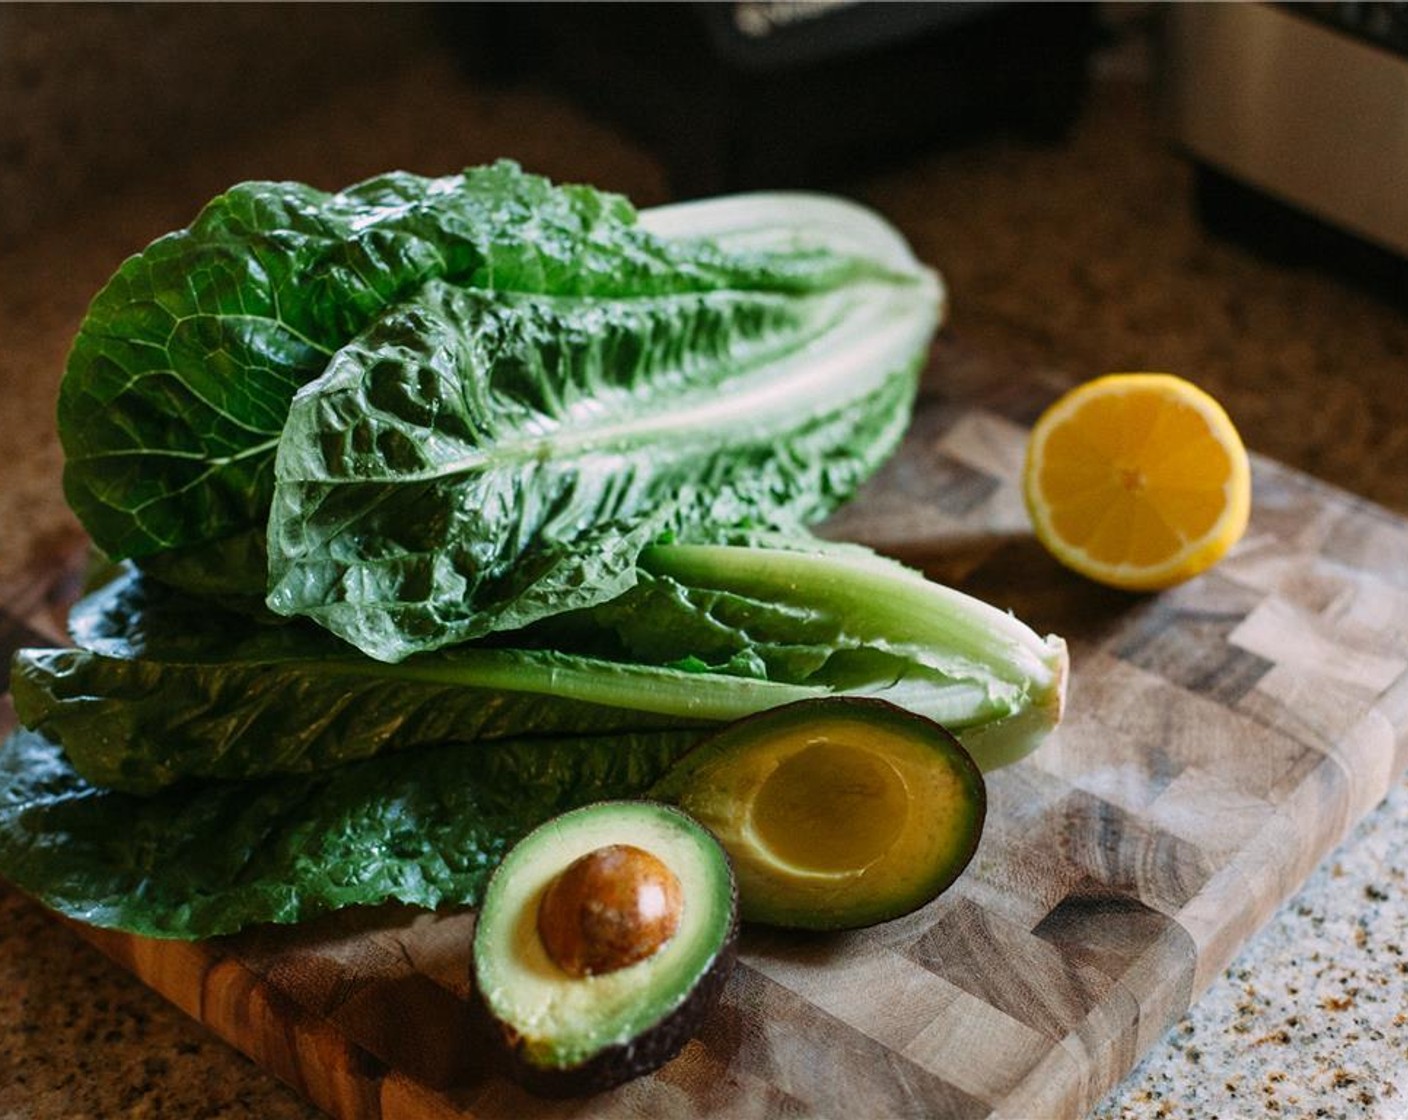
column 175, row 968
column 1010, row 968
column 1236, row 900
column 1160, row 981
column 357, row 972
column 1102, row 1043
column 1379, row 607
column 1105, row 929
column 1340, row 721
column 388, row 1019
column 915, row 497
column 1266, row 564
column 1204, row 808
column 775, row 1035
column 292, row 1043
column 326, row 961
column 952, row 475
column 433, row 944
column 1122, row 854
column 1186, row 643
column 1366, row 538
column 1124, row 716
column 979, row 1048
column 1392, row 705
column 1147, row 952
column 704, row 1081
column 845, row 976
column 1295, row 509
column 1019, row 870
column 1288, row 636
column 1119, row 739
column 987, row 443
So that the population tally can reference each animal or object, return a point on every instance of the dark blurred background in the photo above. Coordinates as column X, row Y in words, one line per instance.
column 722, row 96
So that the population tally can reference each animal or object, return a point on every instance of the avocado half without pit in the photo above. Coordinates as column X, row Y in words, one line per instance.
column 604, row 938
column 836, row 812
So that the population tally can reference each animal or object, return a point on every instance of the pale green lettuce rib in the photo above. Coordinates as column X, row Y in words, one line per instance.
column 894, row 634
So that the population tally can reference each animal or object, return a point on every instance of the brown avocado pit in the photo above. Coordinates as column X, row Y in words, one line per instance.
column 604, row 938
column 612, row 907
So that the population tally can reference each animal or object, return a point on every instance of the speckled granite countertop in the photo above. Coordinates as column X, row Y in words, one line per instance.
column 1309, row 1020
column 1064, row 262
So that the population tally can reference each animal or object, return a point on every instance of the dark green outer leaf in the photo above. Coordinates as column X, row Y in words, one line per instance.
column 140, row 725
column 164, row 687
column 425, row 828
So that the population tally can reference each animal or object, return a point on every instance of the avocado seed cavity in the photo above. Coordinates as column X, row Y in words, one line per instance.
column 831, row 809
column 610, row 908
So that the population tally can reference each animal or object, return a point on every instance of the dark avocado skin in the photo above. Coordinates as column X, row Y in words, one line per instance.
column 616, row 1064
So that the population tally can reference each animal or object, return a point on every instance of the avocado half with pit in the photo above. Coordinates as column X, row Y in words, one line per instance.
column 837, row 812
column 604, row 938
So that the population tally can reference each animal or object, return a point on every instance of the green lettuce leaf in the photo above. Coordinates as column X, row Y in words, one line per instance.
column 162, row 687
column 424, row 828
column 478, row 461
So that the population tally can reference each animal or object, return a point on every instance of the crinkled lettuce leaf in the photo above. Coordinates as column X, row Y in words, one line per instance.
column 475, row 461
column 424, row 827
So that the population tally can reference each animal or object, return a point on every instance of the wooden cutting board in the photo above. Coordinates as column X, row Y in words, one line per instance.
column 1220, row 739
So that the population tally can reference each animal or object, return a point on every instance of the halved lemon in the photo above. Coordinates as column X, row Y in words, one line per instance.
column 1137, row 480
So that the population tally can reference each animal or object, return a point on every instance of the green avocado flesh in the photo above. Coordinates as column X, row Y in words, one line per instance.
column 573, row 1034
column 836, row 813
